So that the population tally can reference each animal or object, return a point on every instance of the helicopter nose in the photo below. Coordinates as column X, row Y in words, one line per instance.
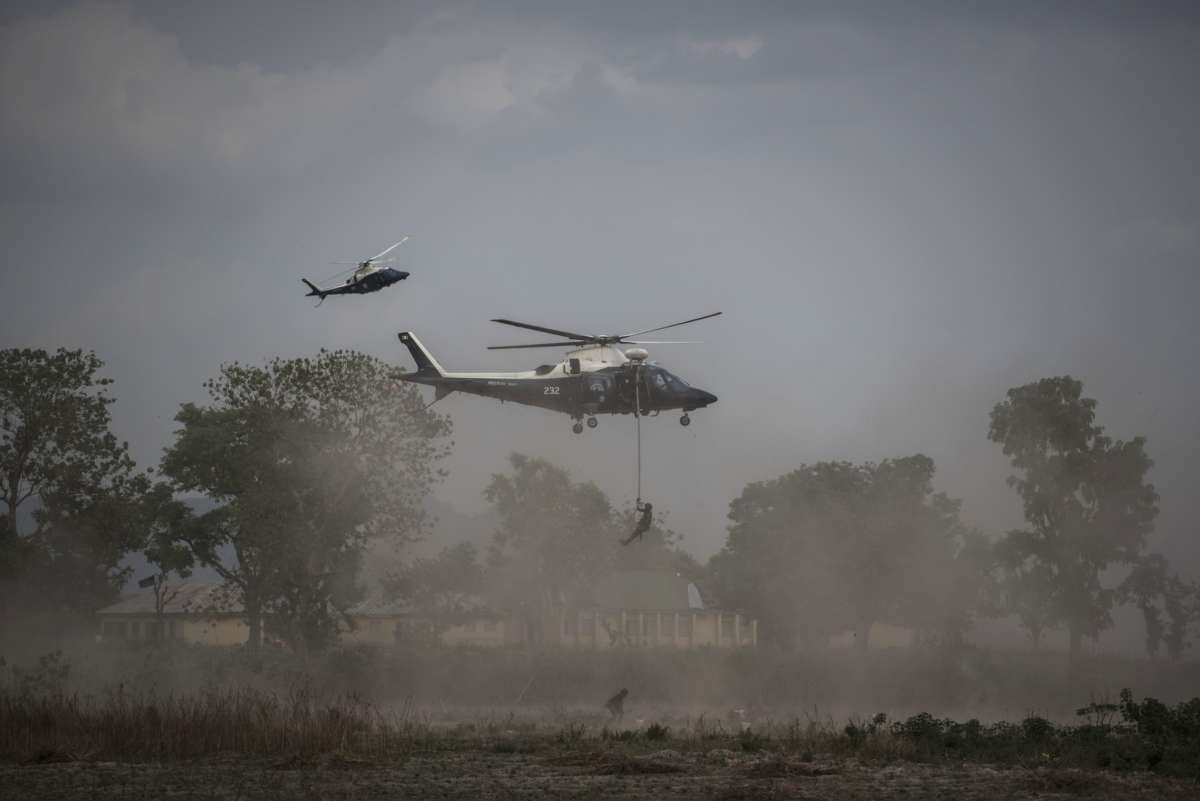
column 703, row 398
column 403, row 275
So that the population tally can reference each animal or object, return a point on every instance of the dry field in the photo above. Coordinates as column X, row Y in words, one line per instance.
column 236, row 735
column 663, row 773
column 240, row 746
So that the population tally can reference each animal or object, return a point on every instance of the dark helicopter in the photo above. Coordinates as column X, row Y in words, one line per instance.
column 366, row 276
column 596, row 377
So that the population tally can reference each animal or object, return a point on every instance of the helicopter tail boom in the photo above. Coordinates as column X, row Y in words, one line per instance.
column 426, row 364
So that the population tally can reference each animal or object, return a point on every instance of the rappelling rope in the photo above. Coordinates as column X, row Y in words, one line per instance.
column 637, row 420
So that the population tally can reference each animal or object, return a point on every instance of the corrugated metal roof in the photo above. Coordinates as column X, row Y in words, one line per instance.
column 181, row 599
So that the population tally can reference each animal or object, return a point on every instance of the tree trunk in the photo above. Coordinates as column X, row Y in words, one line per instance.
column 253, row 621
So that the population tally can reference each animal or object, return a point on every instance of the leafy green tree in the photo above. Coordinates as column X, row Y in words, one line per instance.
column 309, row 458
column 860, row 543
column 1086, row 500
column 64, row 473
column 165, row 521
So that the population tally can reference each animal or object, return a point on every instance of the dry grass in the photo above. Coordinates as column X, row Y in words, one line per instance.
column 976, row 683
column 128, row 725
column 300, row 729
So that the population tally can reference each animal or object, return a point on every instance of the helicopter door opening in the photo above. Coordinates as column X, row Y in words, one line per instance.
column 654, row 387
column 597, row 395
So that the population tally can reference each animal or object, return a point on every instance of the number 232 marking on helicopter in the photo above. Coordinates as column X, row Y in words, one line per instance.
column 596, row 377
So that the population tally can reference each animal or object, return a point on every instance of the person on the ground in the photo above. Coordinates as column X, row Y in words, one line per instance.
column 616, row 704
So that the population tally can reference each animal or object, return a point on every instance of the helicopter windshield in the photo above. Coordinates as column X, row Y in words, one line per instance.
column 675, row 381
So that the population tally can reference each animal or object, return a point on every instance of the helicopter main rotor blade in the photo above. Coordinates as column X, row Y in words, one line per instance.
column 664, row 342
column 672, row 325
column 565, row 345
column 553, row 331
column 338, row 275
column 389, row 250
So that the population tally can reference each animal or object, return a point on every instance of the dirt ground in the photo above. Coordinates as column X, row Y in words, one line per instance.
column 665, row 774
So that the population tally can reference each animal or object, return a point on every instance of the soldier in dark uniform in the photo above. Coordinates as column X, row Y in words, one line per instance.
column 616, row 704
column 643, row 524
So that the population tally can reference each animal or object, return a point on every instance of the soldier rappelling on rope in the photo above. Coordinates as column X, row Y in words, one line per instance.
column 647, row 509
column 643, row 524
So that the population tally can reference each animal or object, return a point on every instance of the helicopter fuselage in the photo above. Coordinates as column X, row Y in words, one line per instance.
column 373, row 280
column 360, row 283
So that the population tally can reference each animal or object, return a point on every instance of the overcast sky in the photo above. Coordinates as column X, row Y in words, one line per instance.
column 901, row 211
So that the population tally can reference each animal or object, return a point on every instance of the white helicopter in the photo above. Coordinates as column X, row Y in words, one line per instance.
column 371, row 275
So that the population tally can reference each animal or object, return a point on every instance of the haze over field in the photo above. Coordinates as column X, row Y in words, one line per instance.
column 902, row 213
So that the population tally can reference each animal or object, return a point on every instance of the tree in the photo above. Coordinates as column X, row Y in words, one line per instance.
column 1025, row 590
column 1181, row 600
column 835, row 546
column 559, row 532
column 165, row 521
column 310, row 458
column 69, row 491
column 556, row 537
column 1166, row 602
column 1086, row 500
column 444, row 591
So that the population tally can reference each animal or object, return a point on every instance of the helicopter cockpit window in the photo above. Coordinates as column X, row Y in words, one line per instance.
column 659, row 381
column 543, row 369
column 676, row 381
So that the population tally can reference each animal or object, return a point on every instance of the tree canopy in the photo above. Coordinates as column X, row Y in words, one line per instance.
column 834, row 546
column 1087, row 503
column 69, row 490
column 560, row 531
column 444, row 590
column 309, row 458
column 557, row 535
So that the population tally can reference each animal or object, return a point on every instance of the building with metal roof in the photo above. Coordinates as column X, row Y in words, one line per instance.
column 631, row 608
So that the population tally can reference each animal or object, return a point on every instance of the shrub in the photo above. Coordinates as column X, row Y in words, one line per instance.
column 656, row 731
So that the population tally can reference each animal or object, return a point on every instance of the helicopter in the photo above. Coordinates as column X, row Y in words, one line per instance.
column 595, row 377
column 366, row 276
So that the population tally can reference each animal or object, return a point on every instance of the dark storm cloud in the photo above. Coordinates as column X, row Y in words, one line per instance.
column 903, row 209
